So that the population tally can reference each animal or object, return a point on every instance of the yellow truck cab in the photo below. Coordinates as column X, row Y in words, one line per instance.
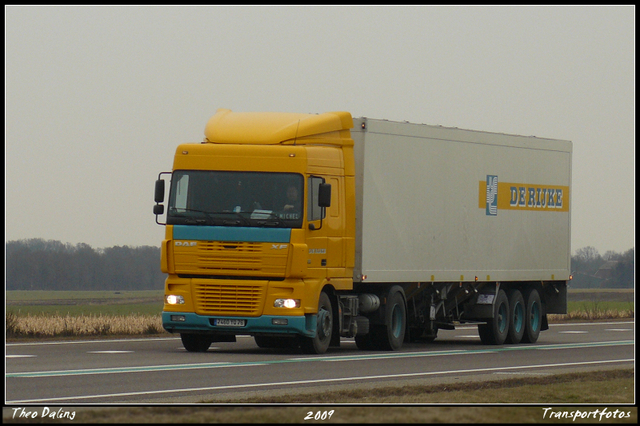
column 250, row 238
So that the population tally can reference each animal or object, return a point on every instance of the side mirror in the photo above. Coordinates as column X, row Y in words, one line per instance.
column 324, row 201
column 159, row 193
column 324, row 195
column 158, row 197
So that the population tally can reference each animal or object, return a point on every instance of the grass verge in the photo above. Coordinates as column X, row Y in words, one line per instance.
column 610, row 386
column 560, row 396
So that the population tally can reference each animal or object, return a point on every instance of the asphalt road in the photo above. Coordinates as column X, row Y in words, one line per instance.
column 159, row 370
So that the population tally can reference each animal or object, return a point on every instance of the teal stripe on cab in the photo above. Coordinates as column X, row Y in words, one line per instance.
column 231, row 233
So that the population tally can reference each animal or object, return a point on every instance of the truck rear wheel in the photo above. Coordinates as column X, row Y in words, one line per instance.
column 324, row 328
column 196, row 342
column 533, row 320
column 390, row 336
column 494, row 332
column 517, row 317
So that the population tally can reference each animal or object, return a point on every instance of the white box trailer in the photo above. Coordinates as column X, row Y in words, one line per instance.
column 422, row 213
column 474, row 226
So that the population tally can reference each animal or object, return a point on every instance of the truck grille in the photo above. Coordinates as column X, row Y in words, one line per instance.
column 228, row 298
column 224, row 258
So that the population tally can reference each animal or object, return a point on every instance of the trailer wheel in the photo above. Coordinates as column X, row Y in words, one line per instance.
column 517, row 317
column 533, row 322
column 195, row 342
column 494, row 332
column 324, row 329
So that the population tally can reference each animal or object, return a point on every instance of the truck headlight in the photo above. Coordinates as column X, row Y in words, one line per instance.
column 287, row 303
column 172, row 299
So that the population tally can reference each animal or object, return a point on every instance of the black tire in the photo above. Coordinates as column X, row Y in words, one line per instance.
column 533, row 323
column 196, row 342
column 324, row 329
column 517, row 317
column 495, row 331
column 391, row 335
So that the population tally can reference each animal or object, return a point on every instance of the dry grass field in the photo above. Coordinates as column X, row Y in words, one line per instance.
column 69, row 314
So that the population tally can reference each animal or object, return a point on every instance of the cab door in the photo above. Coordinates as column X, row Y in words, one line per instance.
column 326, row 239
column 317, row 231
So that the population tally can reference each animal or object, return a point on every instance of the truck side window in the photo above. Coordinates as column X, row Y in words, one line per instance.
column 315, row 212
column 181, row 194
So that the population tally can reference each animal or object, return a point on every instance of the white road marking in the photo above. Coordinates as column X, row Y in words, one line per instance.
column 316, row 381
column 103, row 341
column 21, row 356
column 583, row 324
column 521, row 373
column 147, row 339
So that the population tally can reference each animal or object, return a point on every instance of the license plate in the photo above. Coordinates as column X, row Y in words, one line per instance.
column 225, row 322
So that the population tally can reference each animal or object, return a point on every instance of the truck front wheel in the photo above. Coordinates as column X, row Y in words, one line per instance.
column 324, row 328
column 196, row 342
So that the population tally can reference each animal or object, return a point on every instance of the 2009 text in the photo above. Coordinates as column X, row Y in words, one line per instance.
column 319, row 415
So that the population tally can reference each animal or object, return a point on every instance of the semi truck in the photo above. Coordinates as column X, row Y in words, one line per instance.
column 303, row 230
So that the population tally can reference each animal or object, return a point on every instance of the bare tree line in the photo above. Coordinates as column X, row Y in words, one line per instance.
column 36, row 264
column 611, row 270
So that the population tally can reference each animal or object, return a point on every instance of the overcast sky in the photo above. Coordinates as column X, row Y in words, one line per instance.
column 97, row 98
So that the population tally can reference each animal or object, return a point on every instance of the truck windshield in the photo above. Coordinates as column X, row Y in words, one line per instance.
column 235, row 199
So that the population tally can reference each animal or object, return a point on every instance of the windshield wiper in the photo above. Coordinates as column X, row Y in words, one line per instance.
column 226, row 218
column 240, row 221
column 272, row 220
column 175, row 213
column 210, row 219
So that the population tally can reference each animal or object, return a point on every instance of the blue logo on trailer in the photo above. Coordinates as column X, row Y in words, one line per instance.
column 492, row 195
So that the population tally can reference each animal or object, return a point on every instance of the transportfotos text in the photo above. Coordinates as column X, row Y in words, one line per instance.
column 598, row 414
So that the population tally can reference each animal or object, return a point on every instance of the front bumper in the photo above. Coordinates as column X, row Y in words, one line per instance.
column 184, row 322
